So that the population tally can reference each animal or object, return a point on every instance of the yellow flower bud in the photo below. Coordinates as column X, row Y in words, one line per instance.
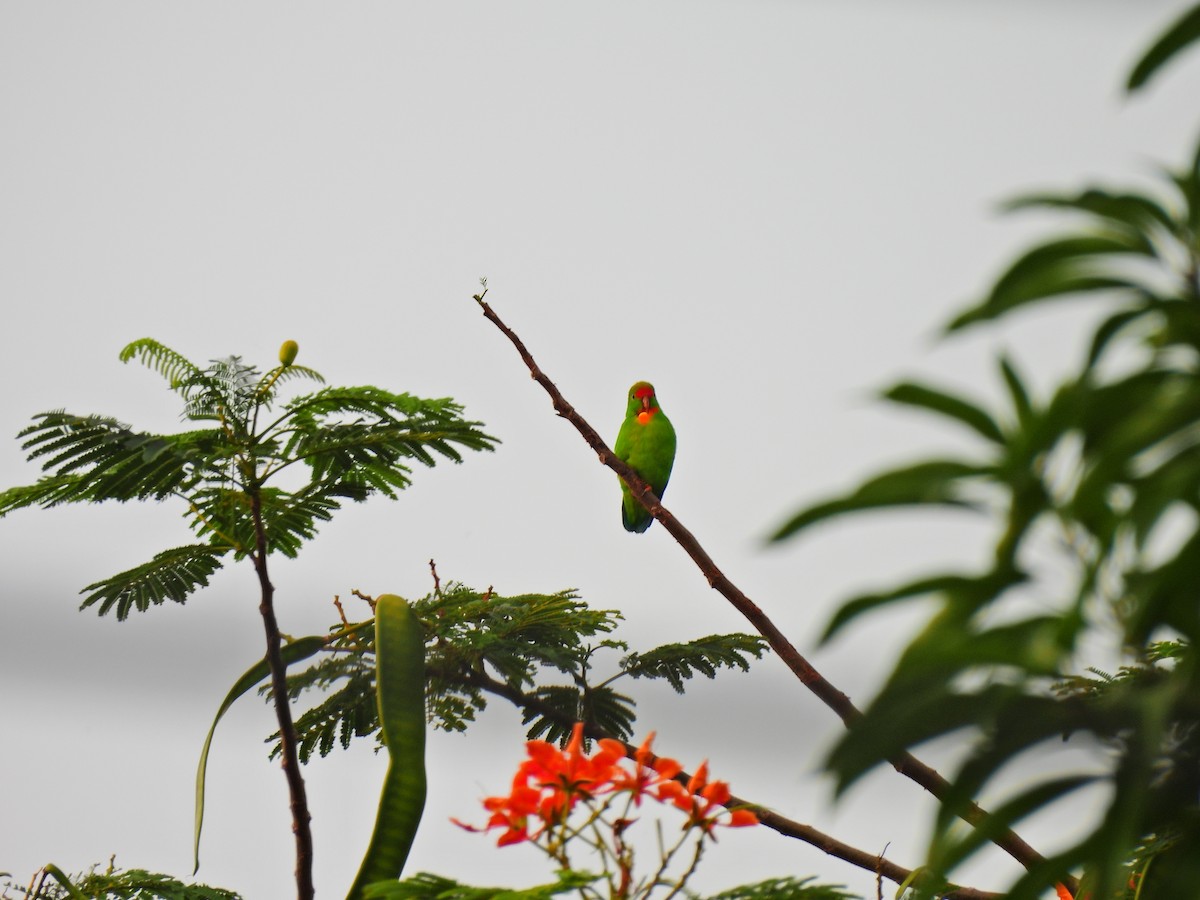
column 287, row 353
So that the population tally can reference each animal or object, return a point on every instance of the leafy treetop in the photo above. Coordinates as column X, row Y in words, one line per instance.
column 339, row 443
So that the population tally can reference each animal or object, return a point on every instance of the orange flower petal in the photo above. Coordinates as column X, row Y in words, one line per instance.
column 739, row 818
column 716, row 792
column 512, row 836
column 667, row 768
column 1063, row 893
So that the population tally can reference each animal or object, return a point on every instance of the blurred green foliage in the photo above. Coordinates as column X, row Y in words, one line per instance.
column 1101, row 475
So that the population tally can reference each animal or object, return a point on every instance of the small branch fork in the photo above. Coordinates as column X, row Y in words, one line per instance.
column 906, row 764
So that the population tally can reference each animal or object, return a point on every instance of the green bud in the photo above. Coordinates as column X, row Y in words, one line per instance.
column 287, row 353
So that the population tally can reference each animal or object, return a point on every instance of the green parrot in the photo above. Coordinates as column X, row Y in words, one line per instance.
column 646, row 442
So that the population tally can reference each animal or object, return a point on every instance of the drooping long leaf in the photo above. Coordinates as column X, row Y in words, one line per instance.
column 933, row 482
column 1137, row 212
column 61, row 877
column 977, row 588
column 292, row 652
column 1054, row 269
column 946, row 404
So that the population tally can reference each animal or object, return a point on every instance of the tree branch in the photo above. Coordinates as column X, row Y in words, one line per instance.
column 301, row 817
column 906, row 764
column 872, row 862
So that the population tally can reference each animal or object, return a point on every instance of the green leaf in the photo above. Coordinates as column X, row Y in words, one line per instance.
column 933, row 482
column 906, row 720
column 434, row 887
column 679, row 662
column 947, row 852
column 788, row 888
column 1135, row 212
column 292, row 652
column 1111, row 328
column 1175, row 481
column 169, row 364
column 171, row 575
column 1054, row 269
column 559, row 707
column 1018, row 393
column 1180, row 35
column 934, row 400
column 110, row 460
column 58, row 875
column 1165, row 595
column 975, row 590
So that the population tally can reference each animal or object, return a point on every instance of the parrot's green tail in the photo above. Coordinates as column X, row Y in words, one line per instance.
column 636, row 520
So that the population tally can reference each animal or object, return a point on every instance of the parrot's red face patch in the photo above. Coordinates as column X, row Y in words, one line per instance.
column 645, row 393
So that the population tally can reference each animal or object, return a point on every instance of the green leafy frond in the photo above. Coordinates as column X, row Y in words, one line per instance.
column 284, row 374
column 565, row 707
column 344, row 679
column 453, row 704
column 162, row 359
column 171, row 575
column 109, row 460
column 786, row 889
column 679, row 662
column 366, row 430
column 424, row 886
column 46, row 492
column 610, row 710
column 559, row 707
column 225, row 391
column 291, row 518
column 127, row 884
column 472, row 638
column 513, row 634
column 349, row 713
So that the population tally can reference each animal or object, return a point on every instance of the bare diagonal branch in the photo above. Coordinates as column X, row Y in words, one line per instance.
column 906, row 764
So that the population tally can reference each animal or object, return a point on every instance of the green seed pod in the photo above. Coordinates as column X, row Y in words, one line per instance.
column 287, row 353
column 400, row 693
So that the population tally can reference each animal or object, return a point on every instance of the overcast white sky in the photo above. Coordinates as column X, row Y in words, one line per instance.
column 766, row 208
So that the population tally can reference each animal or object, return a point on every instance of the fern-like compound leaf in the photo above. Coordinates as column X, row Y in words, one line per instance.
column 676, row 663
column 171, row 575
column 162, row 359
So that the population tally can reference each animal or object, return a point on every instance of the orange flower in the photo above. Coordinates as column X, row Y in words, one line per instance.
column 551, row 782
column 1063, row 893
column 645, row 775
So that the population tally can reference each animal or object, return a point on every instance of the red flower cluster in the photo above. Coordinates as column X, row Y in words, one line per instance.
column 550, row 783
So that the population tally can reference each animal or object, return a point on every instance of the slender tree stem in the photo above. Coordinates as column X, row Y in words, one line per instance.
column 906, row 764
column 287, row 730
